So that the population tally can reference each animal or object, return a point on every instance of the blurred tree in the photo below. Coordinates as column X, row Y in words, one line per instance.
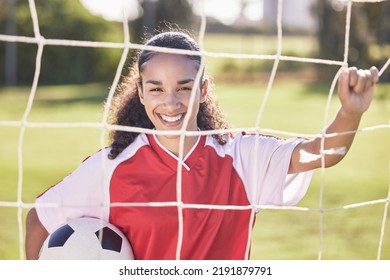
column 69, row 19
column 59, row 19
column 369, row 32
column 158, row 14
column 10, row 60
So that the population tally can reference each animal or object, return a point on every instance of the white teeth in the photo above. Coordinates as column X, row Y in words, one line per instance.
column 171, row 119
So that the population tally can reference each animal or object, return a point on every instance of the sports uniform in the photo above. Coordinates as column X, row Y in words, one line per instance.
column 249, row 169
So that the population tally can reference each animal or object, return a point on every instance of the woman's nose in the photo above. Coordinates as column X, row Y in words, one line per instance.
column 172, row 100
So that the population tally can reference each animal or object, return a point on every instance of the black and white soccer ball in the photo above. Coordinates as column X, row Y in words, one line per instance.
column 86, row 239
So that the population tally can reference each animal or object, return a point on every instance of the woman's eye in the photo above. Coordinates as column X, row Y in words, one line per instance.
column 156, row 89
column 185, row 89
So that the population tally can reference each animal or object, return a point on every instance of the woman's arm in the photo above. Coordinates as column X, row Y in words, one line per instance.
column 355, row 90
column 35, row 235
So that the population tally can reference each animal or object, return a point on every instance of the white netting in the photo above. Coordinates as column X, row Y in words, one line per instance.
column 42, row 42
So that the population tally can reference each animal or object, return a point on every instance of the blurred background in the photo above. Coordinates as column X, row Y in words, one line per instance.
column 74, row 83
column 320, row 24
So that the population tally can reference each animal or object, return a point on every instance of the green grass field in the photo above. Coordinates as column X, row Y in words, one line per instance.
column 293, row 106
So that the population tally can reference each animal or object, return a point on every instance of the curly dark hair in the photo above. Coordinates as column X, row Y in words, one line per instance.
column 126, row 107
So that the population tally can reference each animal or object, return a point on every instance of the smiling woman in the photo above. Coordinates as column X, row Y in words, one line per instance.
column 158, row 90
column 143, row 168
column 167, row 83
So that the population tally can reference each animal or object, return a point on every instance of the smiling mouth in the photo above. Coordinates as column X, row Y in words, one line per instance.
column 171, row 119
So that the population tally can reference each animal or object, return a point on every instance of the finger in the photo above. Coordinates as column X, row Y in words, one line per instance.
column 353, row 76
column 344, row 82
column 369, row 81
column 361, row 83
column 375, row 74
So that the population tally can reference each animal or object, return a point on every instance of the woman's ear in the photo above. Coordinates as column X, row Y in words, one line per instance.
column 140, row 91
column 204, row 90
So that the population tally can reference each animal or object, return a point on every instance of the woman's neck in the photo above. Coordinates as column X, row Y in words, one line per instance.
column 172, row 143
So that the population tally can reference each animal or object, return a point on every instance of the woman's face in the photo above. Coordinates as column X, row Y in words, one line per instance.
column 167, row 82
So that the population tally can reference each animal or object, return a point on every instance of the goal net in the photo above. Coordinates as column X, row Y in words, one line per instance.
column 316, row 215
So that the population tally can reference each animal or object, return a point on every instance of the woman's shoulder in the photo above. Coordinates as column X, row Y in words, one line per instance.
column 102, row 154
column 246, row 140
column 140, row 141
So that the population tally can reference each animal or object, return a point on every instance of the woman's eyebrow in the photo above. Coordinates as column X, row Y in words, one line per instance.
column 181, row 82
column 154, row 82
column 186, row 81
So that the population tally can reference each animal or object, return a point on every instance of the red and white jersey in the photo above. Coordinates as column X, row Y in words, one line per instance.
column 248, row 170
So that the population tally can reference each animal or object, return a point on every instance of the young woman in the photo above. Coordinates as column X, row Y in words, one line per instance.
column 216, row 169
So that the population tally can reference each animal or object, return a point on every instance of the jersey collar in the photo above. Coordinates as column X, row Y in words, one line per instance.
column 171, row 159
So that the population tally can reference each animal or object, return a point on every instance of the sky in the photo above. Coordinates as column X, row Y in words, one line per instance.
column 226, row 11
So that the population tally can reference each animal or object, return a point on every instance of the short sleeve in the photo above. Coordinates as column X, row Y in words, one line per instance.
column 82, row 193
column 262, row 163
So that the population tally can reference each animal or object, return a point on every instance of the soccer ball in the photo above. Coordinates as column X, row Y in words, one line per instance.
column 86, row 239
